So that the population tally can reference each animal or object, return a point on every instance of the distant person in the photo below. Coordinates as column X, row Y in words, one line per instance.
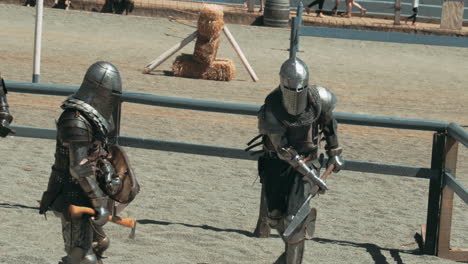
column 319, row 10
column 335, row 8
column 415, row 13
column 350, row 4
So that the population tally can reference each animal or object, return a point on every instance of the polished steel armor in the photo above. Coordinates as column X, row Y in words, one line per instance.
column 294, row 81
column 83, row 173
column 102, row 89
column 292, row 123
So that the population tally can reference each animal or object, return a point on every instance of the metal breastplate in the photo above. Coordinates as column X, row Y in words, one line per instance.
column 303, row 139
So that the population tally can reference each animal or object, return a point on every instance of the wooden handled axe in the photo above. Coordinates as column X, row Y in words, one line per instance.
column 78, row 211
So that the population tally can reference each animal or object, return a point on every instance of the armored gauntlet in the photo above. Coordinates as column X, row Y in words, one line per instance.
column 87, row 180
column 334, row 157
column 5, row 117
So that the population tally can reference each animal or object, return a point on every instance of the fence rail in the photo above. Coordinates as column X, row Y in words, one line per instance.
column 456, row 186
column 233, row 153
column 444, row 155
column 458, row 133
column 229, row 108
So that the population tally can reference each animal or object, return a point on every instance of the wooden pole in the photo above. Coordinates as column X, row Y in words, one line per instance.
column 397, row 12
column 38, row 41
column 444, row 250
column 166, row 55
column 240, row 53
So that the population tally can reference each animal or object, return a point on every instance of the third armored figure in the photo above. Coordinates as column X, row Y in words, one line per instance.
column 291, row 122
column 83, row 173
column 5, row 117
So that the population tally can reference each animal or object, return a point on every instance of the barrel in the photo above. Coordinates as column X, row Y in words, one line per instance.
column 276, row 13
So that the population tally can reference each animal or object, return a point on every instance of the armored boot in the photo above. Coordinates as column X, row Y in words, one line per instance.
column 263, row 228
column 78, row 236
column 78, row 256
column 100, row 242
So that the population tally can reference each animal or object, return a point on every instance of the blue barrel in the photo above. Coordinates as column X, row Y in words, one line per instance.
column 276, row 13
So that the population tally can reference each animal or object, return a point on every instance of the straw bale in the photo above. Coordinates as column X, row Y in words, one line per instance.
column 211, row 12
column 210, row 21
column 205, row 50
column 220, row 70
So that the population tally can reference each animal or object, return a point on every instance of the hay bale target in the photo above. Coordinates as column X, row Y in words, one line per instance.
column 203, row 63
column 206, row 50
column 211, row 21
column 219, row 70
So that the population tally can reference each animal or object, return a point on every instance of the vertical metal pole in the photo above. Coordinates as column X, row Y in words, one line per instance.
column 38, row 41
column 295, row 31
column 435, row 191
column 292, row 44
column 397, row 12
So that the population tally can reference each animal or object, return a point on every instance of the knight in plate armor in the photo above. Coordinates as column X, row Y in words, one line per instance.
column 5, row 117
column 293, row 121
column 84, row 173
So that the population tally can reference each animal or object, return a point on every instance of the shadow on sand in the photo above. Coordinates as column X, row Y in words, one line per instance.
column 374, row 250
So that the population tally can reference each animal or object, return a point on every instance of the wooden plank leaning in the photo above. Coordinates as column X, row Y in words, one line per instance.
column 240, row 53
column 166, row 55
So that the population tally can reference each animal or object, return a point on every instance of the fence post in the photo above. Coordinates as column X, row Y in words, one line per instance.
column 397, row 12
column 451, row 154
column 435, row 187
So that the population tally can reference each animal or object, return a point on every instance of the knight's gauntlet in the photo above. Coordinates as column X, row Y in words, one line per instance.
column 5, row 121
column 298, row 163
column 87, row 180
column 112, row 180
column 334, row 157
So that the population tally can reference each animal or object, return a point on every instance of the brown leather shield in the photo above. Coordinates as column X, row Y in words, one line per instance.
column 130, row 186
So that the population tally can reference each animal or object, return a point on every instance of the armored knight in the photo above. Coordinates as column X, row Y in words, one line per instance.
column 84, row 173
column 5, row 117
column 292, row 123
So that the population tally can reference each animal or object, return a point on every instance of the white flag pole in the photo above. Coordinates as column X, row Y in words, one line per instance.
column 38, row 41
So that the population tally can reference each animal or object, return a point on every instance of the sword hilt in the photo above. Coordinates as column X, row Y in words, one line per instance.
column 324, row 176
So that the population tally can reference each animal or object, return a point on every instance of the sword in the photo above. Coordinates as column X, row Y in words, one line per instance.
column 305, row 209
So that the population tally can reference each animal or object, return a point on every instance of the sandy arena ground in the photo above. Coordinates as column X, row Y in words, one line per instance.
column 197, row 209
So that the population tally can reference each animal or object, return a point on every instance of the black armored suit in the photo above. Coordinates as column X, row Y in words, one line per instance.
column 293, row 121
column 5, row 117
column 82, row 174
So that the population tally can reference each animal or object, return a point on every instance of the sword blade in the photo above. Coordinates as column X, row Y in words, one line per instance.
column 301, row 214
column 305, row 209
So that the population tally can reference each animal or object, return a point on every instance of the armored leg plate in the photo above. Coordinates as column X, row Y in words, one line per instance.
column 263, row 229
column 294, row 253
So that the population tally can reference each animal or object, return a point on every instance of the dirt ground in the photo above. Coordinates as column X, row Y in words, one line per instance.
column 197, row 209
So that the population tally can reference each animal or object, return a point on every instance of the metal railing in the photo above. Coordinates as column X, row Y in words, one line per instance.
column 445, row 135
